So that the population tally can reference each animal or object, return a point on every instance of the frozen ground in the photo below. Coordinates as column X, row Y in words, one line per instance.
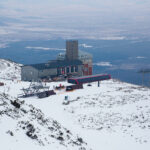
column 114, row 116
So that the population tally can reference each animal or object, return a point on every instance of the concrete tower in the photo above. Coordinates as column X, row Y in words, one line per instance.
column 72, row 50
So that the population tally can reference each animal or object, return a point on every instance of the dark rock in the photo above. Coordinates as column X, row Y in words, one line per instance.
column 61, row 133
column 60, row 138
column 15, row 103
column 10, row 132
column 29, row 134
column 51, row 128
column 80, row 140
column 68, row 131
column 52, row 136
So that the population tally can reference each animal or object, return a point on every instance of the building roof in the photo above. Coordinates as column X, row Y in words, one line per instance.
column 91, row 76
column 55, row 64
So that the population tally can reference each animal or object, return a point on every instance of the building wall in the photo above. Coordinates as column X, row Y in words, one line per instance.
column 72, row 50
column 87, row 67
column 29, row 73
column 80, row 70
column 47, row 72
column 70, row 70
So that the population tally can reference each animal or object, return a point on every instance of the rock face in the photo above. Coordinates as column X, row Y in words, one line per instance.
column 9, row 70
column 32, row 123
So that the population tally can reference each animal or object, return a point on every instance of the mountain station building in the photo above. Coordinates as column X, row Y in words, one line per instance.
column 71, row 63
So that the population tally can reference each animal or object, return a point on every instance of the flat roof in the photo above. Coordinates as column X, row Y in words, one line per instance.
column 55, row 64
column 90, row 76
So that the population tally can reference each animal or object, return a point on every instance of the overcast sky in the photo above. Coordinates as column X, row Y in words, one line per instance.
column 76, row 18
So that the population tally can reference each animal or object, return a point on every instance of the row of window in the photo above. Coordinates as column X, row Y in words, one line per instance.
column 66, row 70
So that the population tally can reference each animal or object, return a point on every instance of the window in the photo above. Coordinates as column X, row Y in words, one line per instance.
column 72, row 68
column 76, row 68
column 68, row 69
column 58, row 71
column 63, row 71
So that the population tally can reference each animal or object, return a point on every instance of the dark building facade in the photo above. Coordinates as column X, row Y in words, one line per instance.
column 51, row 69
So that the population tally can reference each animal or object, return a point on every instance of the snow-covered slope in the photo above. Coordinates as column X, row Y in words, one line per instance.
column 114, row 116
column 9, row 69
column 25, row 127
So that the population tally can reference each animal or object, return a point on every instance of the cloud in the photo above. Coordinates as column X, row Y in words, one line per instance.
column 96, row 19
column 137, row 57
column 113, row 38
column 45, row 48
column 86, row 46
column 103, row 8
column 126, row 66
column 3, row 31
column 140, row 57
column 103, row 64
column 3, row 45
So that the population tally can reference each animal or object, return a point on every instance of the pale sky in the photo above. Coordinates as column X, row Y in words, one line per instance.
column 96, row 19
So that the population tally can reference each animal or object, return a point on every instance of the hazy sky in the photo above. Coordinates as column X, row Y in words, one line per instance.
column 100, row 19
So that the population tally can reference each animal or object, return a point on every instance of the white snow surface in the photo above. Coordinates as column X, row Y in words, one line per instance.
column 114, row 116
column 9, row 70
